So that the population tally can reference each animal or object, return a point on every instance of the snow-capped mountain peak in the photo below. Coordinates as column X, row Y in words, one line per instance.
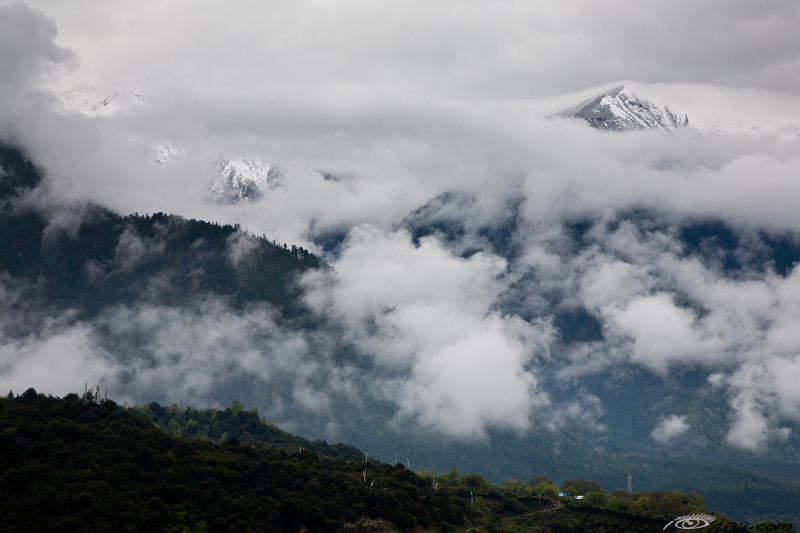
column 620, row 109
column 700, row 109
column 243, row 180
column 102, row 105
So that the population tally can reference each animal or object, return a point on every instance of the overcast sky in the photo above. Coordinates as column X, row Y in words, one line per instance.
column 408, row 99
column 404, row 101
column 473, row 51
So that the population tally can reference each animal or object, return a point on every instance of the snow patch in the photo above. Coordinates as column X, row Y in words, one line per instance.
column 100, row 105
column 243, row 180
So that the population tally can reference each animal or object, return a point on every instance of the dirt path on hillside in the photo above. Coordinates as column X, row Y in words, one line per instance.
column 556, row 507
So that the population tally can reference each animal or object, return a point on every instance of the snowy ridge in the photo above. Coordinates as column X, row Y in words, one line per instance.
column 102, row 105
column 701, row 110
column 237, row 180
column 243, row 180
column 621, row 110
column 107, row 105
column 163, row 153
column 704, row 123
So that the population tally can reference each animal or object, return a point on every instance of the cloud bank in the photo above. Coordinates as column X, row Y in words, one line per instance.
column 372, row 111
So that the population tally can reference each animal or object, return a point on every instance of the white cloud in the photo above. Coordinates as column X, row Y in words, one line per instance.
column 54, row 362
column 402, row 104
column 669, row 428
column 474, row 381
column 424, row 311
column 762, row 395
column 663, row 333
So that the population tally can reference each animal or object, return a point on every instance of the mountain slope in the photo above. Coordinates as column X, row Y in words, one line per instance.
column 67, row 464
column 243, row 180
column 621, row 110
column 701, row 110
column 245, row 425
column 72, row 464
column 129, row 281
column 109, row 259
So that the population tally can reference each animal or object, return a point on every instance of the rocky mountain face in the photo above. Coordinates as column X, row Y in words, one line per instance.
column 627, row 109
column 243, row 180
column 621, row 110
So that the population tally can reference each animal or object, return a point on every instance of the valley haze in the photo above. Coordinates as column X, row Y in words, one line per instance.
column 503, row 270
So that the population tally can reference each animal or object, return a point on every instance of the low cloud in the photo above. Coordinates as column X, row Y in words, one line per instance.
column 239, row 247
column 132, row 249
column 763, row 395
column 553, row 215
column 422, row 312
column 55, row 360
column 669, row 428
column 205, row 354
column 662, row 333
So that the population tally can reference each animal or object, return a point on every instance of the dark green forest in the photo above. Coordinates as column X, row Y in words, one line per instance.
column 236, row 422
column 75, row 463
column 742, row 494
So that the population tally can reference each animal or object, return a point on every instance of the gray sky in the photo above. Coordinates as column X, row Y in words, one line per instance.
column 472, row 50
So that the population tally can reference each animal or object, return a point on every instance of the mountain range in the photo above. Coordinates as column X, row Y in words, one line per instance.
column 247, row 179
column 621, row 110
column 115, row 275
column 625, row 108
column 236, row 180
column 171, row 307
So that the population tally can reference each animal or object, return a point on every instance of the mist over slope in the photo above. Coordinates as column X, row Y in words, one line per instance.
column 500, row 275
column 171, row 310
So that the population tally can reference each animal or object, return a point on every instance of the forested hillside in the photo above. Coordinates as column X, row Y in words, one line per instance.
column 175, row 309
column 98, row 259
column 236, row 422
column 722, row 486
column 75, row 463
